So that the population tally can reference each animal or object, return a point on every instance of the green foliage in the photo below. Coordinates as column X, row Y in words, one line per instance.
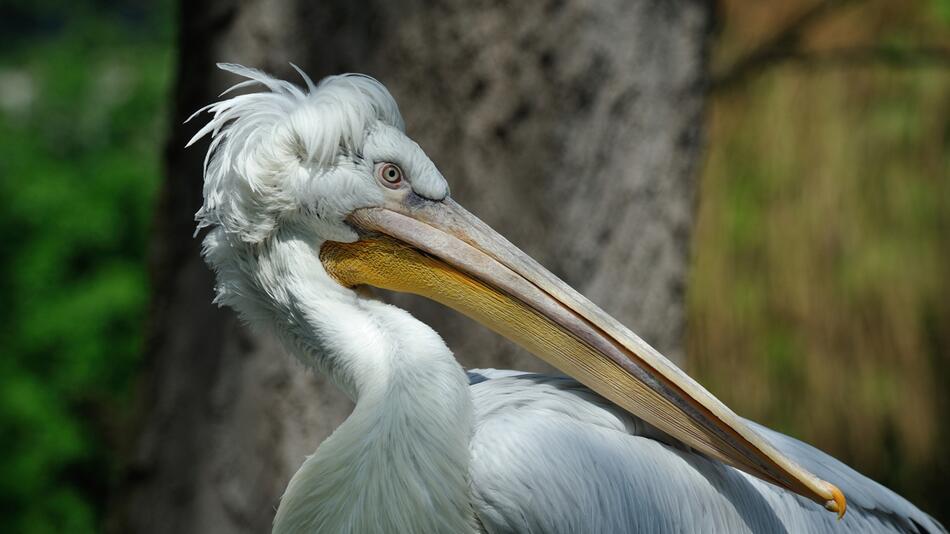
column 81, row 118
column 941, row 9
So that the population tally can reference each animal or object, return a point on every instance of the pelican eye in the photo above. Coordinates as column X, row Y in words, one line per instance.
column 390, row 175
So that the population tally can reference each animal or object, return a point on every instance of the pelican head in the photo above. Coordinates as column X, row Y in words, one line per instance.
column 330, row 168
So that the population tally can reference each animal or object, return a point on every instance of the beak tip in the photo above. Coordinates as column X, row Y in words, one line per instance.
column 837, row 503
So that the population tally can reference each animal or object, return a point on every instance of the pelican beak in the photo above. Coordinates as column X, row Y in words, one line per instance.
column 442, row 252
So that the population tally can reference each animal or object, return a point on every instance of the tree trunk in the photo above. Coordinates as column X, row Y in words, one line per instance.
column 572, row 127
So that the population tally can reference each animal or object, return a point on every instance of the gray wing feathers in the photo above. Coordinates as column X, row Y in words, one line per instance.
column 550, row 456
column 863, row 493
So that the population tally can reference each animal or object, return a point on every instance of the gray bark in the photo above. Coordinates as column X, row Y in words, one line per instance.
column 572, row 127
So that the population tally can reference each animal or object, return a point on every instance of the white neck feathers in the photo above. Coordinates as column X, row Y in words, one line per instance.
column 399, row 463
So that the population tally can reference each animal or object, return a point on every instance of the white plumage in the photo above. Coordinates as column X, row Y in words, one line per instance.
column 425, row 451
column 611, row 472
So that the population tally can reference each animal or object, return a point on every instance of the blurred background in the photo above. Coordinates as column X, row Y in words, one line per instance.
column 817, row 293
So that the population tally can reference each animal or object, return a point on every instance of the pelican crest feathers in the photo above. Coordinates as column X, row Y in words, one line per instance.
column 267, row 148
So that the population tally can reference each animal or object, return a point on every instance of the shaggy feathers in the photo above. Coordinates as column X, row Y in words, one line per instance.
column 267, row 148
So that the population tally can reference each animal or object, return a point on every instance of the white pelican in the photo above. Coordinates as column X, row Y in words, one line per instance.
column 311, row 193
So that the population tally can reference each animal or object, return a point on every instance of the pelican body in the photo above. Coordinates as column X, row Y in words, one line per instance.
column 311, row 192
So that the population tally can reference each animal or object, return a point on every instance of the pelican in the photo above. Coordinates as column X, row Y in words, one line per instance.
column 312, row 192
